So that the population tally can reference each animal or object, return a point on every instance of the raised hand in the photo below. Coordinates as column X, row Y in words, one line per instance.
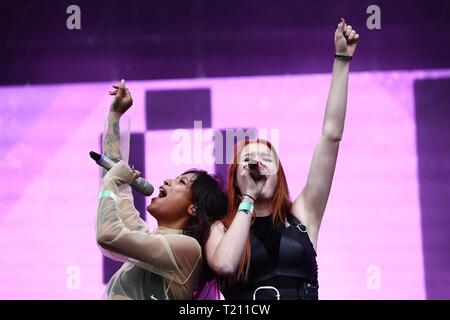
column 345, row 39
column 122, row 100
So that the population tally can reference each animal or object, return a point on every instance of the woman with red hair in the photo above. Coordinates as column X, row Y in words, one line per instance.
column 265, row 247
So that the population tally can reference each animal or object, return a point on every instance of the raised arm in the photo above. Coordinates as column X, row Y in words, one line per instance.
column 111, row 148
column 310, row 205
column 111, row 138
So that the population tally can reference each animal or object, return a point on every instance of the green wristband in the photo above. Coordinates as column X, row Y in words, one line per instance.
column 246, row 207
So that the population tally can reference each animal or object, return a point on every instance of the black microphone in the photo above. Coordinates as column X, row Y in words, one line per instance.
column 140, row 184
column 254, row 170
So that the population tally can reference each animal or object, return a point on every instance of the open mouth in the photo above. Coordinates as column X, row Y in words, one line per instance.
column 162, row 193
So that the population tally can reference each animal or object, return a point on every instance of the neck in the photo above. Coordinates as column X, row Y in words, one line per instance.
column 172, row 225
column 262, row 208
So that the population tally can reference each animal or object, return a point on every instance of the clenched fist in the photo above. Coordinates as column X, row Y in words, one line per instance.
column 345, row 39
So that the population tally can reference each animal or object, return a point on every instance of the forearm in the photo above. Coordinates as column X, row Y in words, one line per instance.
column 109, row 220
column 111, row 137
column 230, row 249
column 333, row 125
column 116, row 208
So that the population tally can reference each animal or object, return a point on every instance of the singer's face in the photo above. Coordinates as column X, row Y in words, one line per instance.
column 173, row 199
column 268, row 166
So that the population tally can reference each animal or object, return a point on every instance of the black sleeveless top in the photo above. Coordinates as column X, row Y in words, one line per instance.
column 281, row 257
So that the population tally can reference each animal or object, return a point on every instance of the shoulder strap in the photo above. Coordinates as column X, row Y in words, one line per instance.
column 293, row 221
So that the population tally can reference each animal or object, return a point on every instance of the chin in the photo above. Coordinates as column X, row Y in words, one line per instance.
column 266, row 195
column 263, row 197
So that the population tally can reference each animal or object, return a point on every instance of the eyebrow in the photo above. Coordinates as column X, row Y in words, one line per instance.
column 261, row 153
column 185, row 179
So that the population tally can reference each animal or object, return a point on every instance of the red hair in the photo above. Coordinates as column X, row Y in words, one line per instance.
column 280, row 203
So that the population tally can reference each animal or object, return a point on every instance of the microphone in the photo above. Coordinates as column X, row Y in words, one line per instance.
column 140, row 184
column 254, row 170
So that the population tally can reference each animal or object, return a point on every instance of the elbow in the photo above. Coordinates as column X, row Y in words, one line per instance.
column 223, row 268
column 104, row 238
column 101, row 240
column 332, row 131
column 334, row 136
column 335, row 139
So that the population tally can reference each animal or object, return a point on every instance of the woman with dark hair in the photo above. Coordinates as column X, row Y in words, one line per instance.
column 265, row 247
column 167, row 263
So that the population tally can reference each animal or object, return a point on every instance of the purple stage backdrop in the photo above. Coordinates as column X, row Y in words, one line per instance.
column 370, row 246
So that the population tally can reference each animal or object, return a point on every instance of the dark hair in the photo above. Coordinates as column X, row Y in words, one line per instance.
column 211, row 204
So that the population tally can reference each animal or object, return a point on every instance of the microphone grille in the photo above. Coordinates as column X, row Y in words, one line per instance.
column 95, row 156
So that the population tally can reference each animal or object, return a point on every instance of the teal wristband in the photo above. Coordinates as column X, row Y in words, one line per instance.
column 107, row 194
column 246, row 207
